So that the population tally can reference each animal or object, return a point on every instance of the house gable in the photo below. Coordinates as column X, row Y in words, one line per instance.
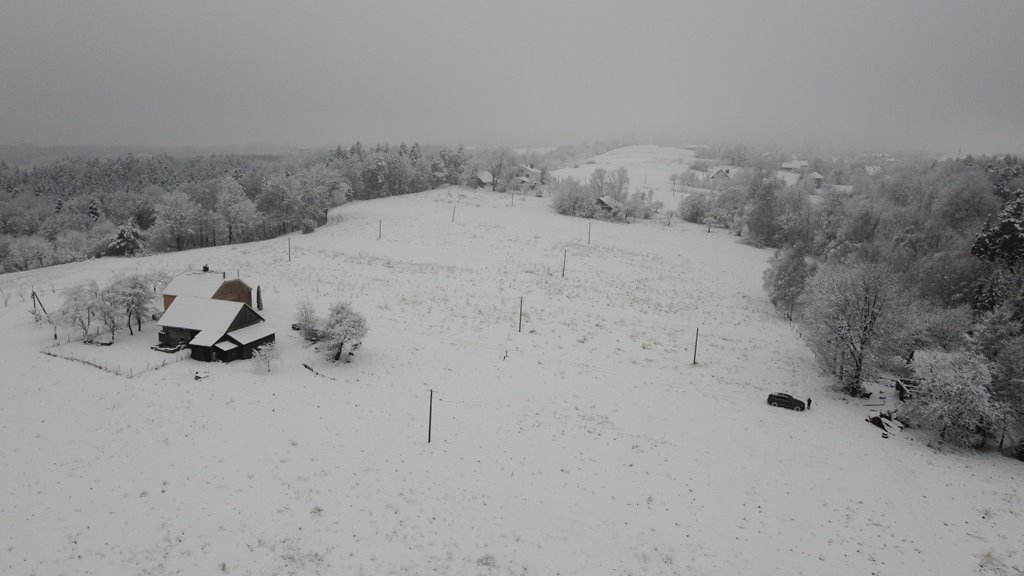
column 234, row 290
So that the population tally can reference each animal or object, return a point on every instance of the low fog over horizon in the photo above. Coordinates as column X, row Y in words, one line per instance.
column 941, row 76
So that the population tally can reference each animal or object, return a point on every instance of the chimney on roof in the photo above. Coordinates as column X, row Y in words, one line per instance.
column 224, row 275
column 206, row 268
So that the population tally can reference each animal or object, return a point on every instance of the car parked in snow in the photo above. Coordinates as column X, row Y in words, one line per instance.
column 781, row 399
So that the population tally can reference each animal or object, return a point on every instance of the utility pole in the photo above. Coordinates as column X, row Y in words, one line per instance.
column 695, row 339
column 430, row 416
column 520, row 314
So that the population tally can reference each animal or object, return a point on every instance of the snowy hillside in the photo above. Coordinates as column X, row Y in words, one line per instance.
column 647, row 165
column 586, row 444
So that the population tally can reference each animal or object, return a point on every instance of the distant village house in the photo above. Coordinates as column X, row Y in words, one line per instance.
column 795, row 166
column 482, row 179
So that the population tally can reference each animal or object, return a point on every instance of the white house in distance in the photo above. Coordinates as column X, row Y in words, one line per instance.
column 795, row 166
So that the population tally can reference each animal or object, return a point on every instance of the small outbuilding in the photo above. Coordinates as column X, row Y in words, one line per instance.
column 609, row 205
column 718, row 174
column 817, row 178
column 482, row 179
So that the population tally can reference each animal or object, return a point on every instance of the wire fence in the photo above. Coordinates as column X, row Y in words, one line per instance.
column 114, row 368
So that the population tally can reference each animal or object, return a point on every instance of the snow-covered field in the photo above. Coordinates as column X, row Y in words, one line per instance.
column 586, row 444
column 647, row 165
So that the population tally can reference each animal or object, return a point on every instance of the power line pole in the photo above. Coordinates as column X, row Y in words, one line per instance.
column 430, row 416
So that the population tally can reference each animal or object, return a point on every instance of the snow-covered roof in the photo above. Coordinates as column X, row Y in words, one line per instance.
column 609, row 202
column 200, row 314
column 198, row 284
column 795, row 165
column 530, row 169
column 815, row 175
column 485, row 177
column 872, row 170
column 715, row 171
column 206, row 338
column 523, row 179
column 250, row 334
column 225, row 345
column 790, row 178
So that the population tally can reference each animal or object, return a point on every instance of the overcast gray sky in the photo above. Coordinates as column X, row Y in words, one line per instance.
column 925, row 74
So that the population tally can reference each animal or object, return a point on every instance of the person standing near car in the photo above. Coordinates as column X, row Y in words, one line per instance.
column 808, row 403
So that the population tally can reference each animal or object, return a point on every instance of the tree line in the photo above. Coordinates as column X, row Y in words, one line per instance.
column 77, row 208
column 912, row 273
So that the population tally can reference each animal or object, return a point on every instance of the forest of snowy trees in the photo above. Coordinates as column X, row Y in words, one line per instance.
column 911, row 272
column 77, row 208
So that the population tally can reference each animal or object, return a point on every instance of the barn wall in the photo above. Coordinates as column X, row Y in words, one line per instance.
column 246, row 317
column 248, row 349
column 174, row 336
column 202, row 353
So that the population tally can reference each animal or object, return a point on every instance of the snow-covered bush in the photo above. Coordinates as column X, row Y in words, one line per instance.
column 953, row 397
column 307, row 319
column 342, row 327
column 264, row 357
column 696, row 207
column 573, row 199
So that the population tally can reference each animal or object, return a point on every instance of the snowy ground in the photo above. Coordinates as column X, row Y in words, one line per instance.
column 587, row 444
column 647, row 166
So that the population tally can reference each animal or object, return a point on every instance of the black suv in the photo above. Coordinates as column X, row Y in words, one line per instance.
column 786, row 401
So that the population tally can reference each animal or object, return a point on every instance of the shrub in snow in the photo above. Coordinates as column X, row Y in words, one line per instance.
column 264, row 357
column 953, row 397
column 307, row 319
column 573, row 199
column 696, row 207
column 342, row 327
